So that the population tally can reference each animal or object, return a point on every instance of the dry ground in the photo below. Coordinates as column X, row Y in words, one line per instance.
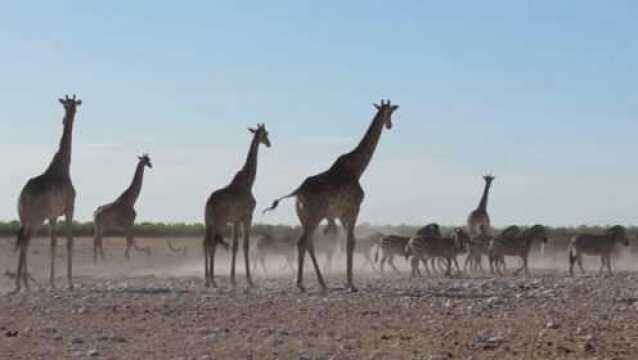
column 156, row 308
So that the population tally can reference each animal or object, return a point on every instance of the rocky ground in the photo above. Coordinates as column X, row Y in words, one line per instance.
column 156, row 308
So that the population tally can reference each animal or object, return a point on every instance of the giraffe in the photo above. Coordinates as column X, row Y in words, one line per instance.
column 336, row 193
column 47, row 197
column 233, row 204
column 479, row 217
column 120, row 214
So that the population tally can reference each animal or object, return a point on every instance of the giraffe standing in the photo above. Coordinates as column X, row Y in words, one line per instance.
column 336, row 193
column 479, row 218
column 47, row 197
column 120, row 214
column 233, row 204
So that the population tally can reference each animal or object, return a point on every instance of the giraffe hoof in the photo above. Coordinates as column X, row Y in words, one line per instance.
column 301, row 288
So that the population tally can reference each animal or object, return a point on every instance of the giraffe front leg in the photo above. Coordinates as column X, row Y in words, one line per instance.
column 234, row 255
column 69, row 247
column 53, row 248
column 246, row 246
column 349, row 224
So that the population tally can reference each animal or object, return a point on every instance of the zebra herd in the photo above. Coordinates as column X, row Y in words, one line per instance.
column 433, row 250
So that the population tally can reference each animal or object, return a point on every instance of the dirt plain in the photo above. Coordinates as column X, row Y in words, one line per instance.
column 156, row 307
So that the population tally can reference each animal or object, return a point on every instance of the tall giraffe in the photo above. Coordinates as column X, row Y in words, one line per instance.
column 233, row 204
column 336, row 193
column 120, row 214
column 47, row 197
column 479, row 220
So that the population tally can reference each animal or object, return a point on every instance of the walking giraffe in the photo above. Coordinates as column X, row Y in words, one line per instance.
column 47, row 197
column 233, row 204
column 120, row 214
column 479, row 216
column 336, row 193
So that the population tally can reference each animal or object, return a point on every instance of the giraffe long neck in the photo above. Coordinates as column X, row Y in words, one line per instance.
column 245, row 178
column 486, row 192
column 354, row 163
column 61, row 161
column 130, row 195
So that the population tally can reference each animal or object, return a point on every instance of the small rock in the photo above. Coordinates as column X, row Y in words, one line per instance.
column 77, row 341
column 93, row 352
column 552, row 325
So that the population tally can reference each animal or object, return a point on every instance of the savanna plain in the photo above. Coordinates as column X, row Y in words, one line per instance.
column 156, row 307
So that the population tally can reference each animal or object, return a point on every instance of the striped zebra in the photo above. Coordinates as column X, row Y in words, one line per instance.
column 476, row 248
column 365, row 245
column 391, row 246
column 433, row 246
column 269, row 245
column 514, row 242
column 593, row 245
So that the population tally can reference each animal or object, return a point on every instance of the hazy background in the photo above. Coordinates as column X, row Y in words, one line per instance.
column 542, row 94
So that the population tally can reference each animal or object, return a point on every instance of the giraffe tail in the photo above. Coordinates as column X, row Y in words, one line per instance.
column 276, row 202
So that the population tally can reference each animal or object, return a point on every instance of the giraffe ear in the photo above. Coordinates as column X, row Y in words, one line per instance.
column 394, row 107
column 252, row 130
column 61, row 101
column 78, row 103
column 376, row 106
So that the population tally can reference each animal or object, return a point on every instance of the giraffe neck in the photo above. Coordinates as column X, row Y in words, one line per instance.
column 486, row 192
column 130, row 195
column 354, row 163
column 245, row 178
column 61, row 161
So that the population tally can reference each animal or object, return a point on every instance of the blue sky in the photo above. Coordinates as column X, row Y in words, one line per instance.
column 543, row 94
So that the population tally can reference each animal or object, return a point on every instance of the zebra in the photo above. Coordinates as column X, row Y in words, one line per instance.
column 514, row 242
column 602, row 245
column 433, row 246
column 365, row 245
column 476, row 249
column 391, row 246
column 269, row 245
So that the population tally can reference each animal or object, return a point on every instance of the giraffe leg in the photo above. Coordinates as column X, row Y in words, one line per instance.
column 307, row 243
column 301, row 254
column 212, row 249
column 579, row 258
column 246, row 246
column 609, row 264
column 384, row 257
column 349, row 224
column 69, row 247
column 101, row 247
column 234, row 254
column 206, row 246
column 52, row 250
column 96, row 243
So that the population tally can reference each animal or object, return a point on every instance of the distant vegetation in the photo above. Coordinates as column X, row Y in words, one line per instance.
column 558, row 235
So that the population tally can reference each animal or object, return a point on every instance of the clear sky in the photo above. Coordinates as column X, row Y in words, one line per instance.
column 544, row 94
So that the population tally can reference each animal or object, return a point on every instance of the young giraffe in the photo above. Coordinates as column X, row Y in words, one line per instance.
column 233, row 204
column 120, row 214
column 336, row 193
column 47, row 197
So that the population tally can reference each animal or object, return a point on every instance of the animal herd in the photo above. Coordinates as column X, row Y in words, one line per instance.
column 333, row 195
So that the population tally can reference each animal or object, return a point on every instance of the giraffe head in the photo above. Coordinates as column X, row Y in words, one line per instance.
column 145, row 160
column 261, row 133
column 70, row 105
column 489, row 178
column 385, row 111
